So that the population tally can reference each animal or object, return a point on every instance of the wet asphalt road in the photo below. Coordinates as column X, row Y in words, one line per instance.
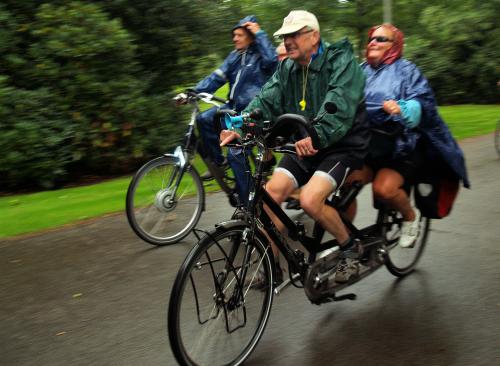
column 95, row 294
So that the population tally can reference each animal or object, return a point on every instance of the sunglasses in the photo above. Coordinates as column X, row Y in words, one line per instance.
column 295, row 35
column 380, row 39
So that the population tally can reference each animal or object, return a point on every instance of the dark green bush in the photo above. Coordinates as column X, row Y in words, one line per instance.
column 36, row 139
column 77, row 104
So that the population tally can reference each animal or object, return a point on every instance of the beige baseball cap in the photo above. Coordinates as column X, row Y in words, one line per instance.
column 296, row 20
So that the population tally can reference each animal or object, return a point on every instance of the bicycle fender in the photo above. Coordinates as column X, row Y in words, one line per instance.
column 178, row 155
column 226, row 225
column 230, row 224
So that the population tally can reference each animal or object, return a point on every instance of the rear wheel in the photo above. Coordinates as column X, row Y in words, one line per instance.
column 162, row 206
column 216, row 316
column 401, row 261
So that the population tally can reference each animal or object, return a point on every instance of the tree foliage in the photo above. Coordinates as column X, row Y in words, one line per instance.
column 84, row 84
column 457, row 48
column 77, row 104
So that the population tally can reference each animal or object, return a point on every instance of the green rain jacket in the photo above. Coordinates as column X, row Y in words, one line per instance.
column 333, row 76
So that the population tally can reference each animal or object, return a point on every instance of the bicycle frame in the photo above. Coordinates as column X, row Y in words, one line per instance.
column 298, row 264
column 185, row 152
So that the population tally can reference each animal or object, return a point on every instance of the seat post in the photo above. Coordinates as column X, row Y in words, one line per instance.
column 351, row 194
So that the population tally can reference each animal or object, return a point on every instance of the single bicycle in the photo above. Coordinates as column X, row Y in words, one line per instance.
column 216, row 315
column 166, row 197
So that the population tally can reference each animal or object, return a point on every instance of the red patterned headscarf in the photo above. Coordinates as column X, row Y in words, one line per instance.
column 393, row 53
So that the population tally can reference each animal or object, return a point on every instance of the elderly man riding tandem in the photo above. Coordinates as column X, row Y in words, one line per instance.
column 314, row 74
column 397, row 93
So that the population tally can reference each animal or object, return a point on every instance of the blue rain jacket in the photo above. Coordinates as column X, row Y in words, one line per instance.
column 402, row 80
column 246, row 70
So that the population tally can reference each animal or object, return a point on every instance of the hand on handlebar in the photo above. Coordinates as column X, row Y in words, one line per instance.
column 226, row 136
column 181, row 99
column 391, row 107
column 305, row 148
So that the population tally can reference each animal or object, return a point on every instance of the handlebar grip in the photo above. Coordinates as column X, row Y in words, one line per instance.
column 314, row 137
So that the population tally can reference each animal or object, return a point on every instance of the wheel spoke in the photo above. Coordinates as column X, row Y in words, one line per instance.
column 230, row 318
column 401, row 261
column 153, row 212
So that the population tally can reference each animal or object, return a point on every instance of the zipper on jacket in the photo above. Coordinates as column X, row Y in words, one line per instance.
column 238, row 75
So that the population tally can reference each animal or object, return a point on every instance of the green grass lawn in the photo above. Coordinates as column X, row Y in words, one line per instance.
column 470, row 120
column 28, row 213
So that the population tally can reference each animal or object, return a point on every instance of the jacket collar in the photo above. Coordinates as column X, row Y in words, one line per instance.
column 250, row 49
column 317, row 59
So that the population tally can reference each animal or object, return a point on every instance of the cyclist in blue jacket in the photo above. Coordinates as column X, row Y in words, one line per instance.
column 396, row 93
column 246, row 69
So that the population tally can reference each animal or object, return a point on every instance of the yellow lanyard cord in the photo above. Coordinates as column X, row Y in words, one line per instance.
column 305, row 73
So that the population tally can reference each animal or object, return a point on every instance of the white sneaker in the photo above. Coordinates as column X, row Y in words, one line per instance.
column 409, row 231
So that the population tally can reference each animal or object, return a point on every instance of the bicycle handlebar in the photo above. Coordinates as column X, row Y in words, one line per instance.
column 285, row 127
column 190, row 96
column 209, row 98
column 288, row 125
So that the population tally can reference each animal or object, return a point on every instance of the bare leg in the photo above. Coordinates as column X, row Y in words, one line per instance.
column 365, row 176
column 295, row 194
column 312, row 201
column 387, row 188
column 279, row 187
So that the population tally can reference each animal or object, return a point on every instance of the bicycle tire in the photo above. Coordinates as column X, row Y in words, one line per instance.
column 497, row 138
column 204, row 325
column 402, row 261
column 152, row 212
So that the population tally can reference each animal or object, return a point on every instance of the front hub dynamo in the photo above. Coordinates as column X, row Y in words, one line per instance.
column 165, row 200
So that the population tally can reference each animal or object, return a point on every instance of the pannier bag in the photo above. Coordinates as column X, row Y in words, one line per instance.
column 435, row 195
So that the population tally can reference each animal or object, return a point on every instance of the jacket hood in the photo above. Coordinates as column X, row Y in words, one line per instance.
column 248, row 18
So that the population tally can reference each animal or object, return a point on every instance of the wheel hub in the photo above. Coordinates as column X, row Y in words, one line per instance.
column 165, row 200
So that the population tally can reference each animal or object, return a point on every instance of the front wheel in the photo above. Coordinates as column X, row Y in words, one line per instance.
column 216, row 316
column 401, row 261
column 164, row 203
